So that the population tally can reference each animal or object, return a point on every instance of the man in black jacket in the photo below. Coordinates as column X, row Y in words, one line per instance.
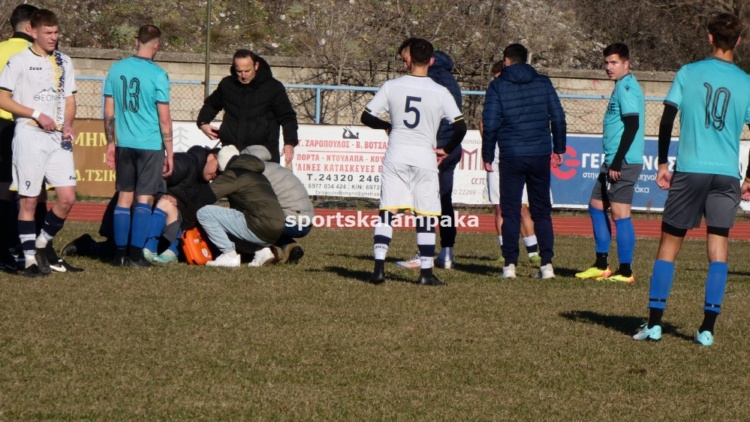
column 255, row 105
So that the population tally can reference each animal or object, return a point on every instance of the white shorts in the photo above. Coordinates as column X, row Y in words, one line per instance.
column 493, row 186
column 405, row 187
column 39, row 156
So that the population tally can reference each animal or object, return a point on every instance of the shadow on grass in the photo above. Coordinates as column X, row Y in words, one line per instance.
column 364, row 275
column 623, row 323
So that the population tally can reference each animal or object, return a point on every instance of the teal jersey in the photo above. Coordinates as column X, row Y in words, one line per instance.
column 137, row 85
column 626, row 100
column 713, row 97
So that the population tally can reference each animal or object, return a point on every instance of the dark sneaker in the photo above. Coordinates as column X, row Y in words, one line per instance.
column 120, row 261
column 139, row 263
column 293, row 253
column 377, row 277
column 429, row 281
column 8, row 263
column 41, row 261
column 81, row 246
column 33, row 271
column 63, row 267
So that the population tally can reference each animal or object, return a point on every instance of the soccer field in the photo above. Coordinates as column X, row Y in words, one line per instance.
column 313, row 341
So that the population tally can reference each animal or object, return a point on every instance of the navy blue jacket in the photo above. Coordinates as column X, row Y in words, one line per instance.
column 440, row 72
column 519, row 107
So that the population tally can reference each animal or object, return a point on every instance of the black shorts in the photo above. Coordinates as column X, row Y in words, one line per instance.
column 7, row 128
column 621, row 191
column 139, row 171
column 693, row 195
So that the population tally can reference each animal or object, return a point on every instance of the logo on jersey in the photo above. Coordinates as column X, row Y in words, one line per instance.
column 48, row 95
column 35, row 68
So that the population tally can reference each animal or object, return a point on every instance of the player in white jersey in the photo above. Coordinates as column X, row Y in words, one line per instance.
column 37, row 86
column 409, row 181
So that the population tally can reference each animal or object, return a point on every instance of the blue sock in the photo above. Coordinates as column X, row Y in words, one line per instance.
column 122, row 227
column 173, row 246
column 661, row 284
column 141, row 223
column 602, row 229
column 716, row 283
column 156, row 226
column 625, row 240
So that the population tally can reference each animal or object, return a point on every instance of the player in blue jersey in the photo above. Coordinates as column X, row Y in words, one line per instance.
column 416, row 105
column 713, row 98
column 623, row 125
column 138, row 127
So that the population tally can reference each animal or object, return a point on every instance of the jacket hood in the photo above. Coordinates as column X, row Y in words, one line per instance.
column 519, row 73
column 246, row 162
column 259, row 151
column 200, row 153
column 442, row 61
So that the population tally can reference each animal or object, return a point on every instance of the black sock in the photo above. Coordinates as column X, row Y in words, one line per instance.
column 654, row 316
column 602, row 261
column 379, row 265
column 709, row 319
column 426, row 272
column 625, row 270
column 136, row 253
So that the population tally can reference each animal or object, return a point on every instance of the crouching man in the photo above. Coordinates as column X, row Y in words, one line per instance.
column 254, row 216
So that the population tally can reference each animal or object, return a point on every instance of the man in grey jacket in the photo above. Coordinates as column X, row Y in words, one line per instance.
column 294, row 200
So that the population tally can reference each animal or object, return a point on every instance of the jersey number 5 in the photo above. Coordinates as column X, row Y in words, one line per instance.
column 717, row 103
column 130, row 94
column 412, row 109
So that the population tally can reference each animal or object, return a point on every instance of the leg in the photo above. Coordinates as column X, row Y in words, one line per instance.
column 381, row 241
column 426, row 244
column 625, row 238
column 512, row 175
column 217, row 222
column 527, row 232
column 540, row 206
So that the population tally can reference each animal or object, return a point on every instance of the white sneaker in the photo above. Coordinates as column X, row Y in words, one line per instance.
column 545, row 272
column 413, row 263
column 445, row 258
column 229, row 259
column 509, row 271
column 265, row 256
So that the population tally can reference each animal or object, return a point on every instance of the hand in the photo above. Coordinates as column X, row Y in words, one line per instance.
column 441, row 154
column 110, row 156
column 614, row 175
column 745, row 191
column 46, row 123
column 169, row 198
column 68, row 134
column 211, row 131
column 488, row 167
column 556, row 159
column 288, row 154
column 168, row 166
column 663, row 177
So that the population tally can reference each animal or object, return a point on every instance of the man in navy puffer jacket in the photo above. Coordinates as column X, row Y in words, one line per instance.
column 519, row 109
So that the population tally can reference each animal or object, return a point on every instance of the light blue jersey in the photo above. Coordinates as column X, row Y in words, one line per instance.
column 137, row 85
column 626, row 100
column 713, row 97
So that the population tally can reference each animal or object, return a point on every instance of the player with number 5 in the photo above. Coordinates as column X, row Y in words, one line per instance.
column 138, row 127
column 713, row 99
column 409, row 181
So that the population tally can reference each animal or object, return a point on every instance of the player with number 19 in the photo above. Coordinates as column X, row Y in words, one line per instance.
column 416, row 105
column 713, row 99
column 138, row 127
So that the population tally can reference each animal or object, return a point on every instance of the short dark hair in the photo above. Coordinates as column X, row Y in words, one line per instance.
column 243, row 53
column 618, row 48
column 726, row 29
column 497, row 67
column 516, row 53
column 22, row 13
column 406, row 44
column 43, row 17
column 147, row 33
column 421, row 51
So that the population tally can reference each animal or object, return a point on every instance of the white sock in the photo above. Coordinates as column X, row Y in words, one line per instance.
column 529, row 241
column 500, row 241
column 42, row 240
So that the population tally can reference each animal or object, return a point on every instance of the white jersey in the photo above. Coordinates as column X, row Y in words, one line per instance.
column 41, row 83
column 416, row 105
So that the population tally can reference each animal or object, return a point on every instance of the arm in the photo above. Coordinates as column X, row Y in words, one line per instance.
column 490, row 123
column 459, row 131
column 8, row 104
column 284, row 113
column 109, row 131
column 663, row 178
column 165, row 124
column 374, row 122
column 628, row 136
column 557, row 121
column 745, row 189
column 212, row 105
column 70, row 115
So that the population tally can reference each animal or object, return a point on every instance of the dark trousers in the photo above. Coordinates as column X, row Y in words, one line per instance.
column 535, row 173
column 445, row 174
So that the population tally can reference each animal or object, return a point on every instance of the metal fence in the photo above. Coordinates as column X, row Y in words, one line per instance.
column 342, row 105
